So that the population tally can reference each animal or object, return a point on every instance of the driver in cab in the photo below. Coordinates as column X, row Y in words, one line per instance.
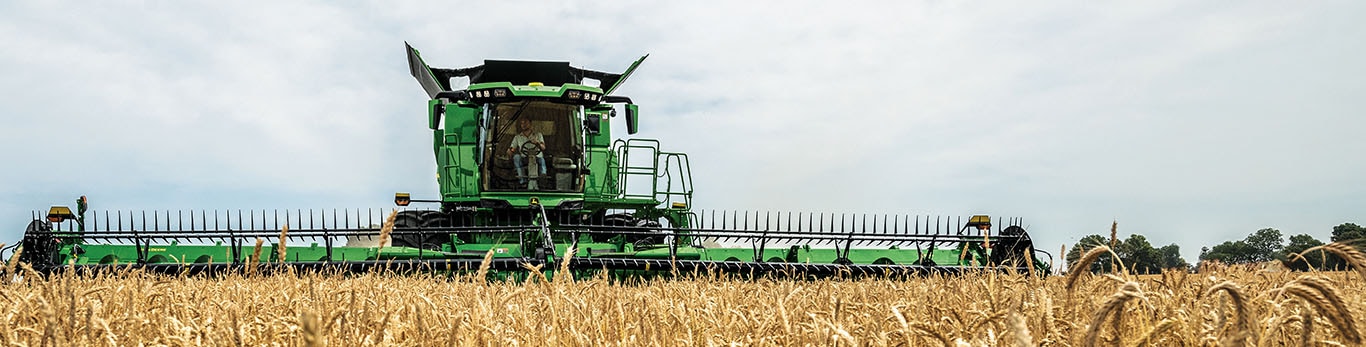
column 527, row 141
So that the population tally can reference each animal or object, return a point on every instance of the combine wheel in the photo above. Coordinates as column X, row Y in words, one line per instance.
column 429, row 239
column 40, row 248
column 1013, row 252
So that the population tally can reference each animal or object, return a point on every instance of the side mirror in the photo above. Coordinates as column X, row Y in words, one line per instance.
column 632, row 118
column 435, row 109
column 593, row 123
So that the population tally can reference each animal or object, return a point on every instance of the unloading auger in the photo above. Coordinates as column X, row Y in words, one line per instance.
column 528, row 170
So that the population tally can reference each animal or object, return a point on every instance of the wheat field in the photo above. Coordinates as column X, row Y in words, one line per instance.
column 1228, row 306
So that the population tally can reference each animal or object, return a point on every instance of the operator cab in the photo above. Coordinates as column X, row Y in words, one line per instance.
column 533, row 145
column 549, row 97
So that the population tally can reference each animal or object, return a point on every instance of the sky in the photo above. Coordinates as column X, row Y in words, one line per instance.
column 1187, row 122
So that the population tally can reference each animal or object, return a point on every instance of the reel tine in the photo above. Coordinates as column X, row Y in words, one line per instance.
column 789, row 221
column 713, row 218
column 746, row 226
column 881, row 235
column 892, row 232
column 767, row 218
column 916, row 230
column 863, row 231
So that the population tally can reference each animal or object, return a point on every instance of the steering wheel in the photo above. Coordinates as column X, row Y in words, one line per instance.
column 530, row 149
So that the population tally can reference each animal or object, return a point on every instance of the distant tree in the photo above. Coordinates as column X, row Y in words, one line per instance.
column 1348, row 232
column 1171, row 257
column 1312, row 260
column 1087, row 243
column 1229, row 252
column 1136, row 252
column 1263, row 245
column 1139, row 255
column 1267, row 245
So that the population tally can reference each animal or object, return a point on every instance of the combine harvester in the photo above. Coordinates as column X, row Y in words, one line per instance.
column 528, row 170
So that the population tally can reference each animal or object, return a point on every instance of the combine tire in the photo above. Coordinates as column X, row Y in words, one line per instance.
column 40, row 247
column 1014, row 251
column 428, row 239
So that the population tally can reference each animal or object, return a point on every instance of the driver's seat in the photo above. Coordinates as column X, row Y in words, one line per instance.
column 564, row 173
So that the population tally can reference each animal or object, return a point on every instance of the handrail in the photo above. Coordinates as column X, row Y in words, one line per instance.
column 662, row 168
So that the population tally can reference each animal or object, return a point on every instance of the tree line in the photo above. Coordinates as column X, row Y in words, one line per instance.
column 1267, row 245
column 1139, row 255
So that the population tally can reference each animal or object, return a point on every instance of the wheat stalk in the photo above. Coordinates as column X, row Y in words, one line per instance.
column 255, row 257
column 1019, row 330
column 983, row 309
column 1163, row 326
column 1062, row 252
column 1307, row 326
column 280, row 246
column 1112, row 307
column 312, row 335
column 986, row 240
column 1083, row 265
column 925, row 330
column 1243, row 317
column 13, row 260
column 1114, row 235
column 1345, row 251
column 1323, row 296
column 564, row 266
column 388, row 228
column 483, row 272
column 534, row 272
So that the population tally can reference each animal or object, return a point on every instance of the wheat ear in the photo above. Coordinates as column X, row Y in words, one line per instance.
column 1083, row 265
column 1112, row 307
column 484, row 265
column 13, row 260
column 280, row 246
column 1062, row 252
column 255, row 256
column 1244, row 318
column 1114, row 233
column 1161, row 327
column 1344, row 251
column 312, row 335
column 387, row 229
column 1324, row 297
column 1020, row 330
column 564, row 265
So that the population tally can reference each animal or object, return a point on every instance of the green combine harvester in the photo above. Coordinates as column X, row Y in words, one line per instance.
column 528, row 171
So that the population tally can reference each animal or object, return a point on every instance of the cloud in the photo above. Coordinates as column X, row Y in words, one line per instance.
column 1189, row 123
